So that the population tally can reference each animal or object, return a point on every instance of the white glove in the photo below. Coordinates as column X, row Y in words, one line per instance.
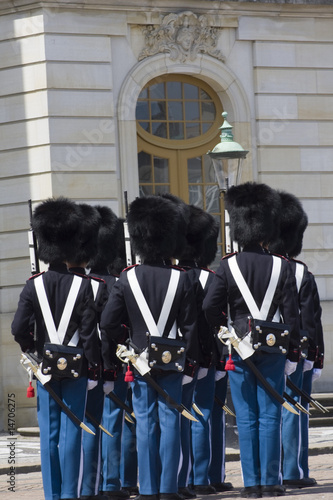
column 108, row 386
column 316, row 374
column 308, row 365
column 91, row 384
column 219, row 375
column 290, row 367
column 186, row 379
column 202, row 372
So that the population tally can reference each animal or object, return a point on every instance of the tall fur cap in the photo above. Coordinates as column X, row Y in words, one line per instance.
column 199, row 226
column 119, row 262
column 254, row 213
column 290, row 218
column 152, row 225
column 298, row 245
column 56, row 224
column 184, row 214
column 210, row 244
column 106, row 239
column 87, row 242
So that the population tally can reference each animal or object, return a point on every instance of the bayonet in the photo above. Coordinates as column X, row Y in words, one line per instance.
column 223, row 406
column 97, row 424
column 306, row 396
column 295, row 403
column 141, row 365
column 128, row 411
column 28, row 361
column 245, row 350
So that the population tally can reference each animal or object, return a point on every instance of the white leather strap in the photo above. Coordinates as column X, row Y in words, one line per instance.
column 244, row 289
column 299, row 273
column 203, row 278
column 94, row 286
column 57, row 336
column 153, row 328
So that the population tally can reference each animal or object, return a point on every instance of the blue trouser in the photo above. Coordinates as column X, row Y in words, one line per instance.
column 304, row 458
column 203, row 397
column 258, row 417
column 185, row 433
column 158, row 433
column 113, row 418
column 92, row 444
column 216, row 472
column 129, row 458
column 60, row 438
column 291, row 431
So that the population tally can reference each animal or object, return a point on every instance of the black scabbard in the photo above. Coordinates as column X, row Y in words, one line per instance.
column 305, row 396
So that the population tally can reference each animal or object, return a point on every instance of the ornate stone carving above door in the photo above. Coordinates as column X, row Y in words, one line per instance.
column 183, row 36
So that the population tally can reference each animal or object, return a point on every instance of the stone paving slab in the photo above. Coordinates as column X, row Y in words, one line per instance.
column 29, row 486
column 27, row 481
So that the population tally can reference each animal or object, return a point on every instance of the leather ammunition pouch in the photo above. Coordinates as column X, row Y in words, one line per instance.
column 269, row 336
column 62, row 361
column 166, row 354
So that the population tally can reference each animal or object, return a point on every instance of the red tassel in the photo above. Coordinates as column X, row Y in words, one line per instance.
column 30, row 391
column 129, row 375
column 230, row 366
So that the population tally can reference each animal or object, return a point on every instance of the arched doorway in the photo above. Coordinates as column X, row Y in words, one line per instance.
column 178, row 119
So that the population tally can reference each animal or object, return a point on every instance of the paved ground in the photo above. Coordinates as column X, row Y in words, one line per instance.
column 27, row 483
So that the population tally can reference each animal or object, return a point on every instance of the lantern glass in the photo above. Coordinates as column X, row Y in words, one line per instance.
column 227, row 172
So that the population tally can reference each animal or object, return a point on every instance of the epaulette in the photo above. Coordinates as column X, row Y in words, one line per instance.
column 300, row 262
column 129, row 267
column 96, row 278
column 278, row 255
column 178, row 268
column 35, row 275
column 207, row 269
column 229, row 255
column 86, row 276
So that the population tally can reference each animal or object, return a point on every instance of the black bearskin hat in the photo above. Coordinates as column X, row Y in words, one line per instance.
column 153, row 225
column 291, row 217
column 254, row 213
column 87, row 244
column 197, row 231
column 297, row 248
column 210, row 243
column 56, row 224
column 106, row 240
column 119, row 262
column 184, row 214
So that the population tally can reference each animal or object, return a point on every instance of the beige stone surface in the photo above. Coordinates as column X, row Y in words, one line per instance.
column 77, row 48
column 293, row 54
column 23, row 107
column 23, row 79
column 284, row 28
column 288, row 81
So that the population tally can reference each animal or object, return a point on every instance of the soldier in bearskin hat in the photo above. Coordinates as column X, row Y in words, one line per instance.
column 102, row 469
column 200, row 390
column 252, row 284
column 138, row 298
column 62, row 306
column 287, row 244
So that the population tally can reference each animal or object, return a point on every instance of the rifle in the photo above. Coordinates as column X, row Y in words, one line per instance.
column 34, row 262
column 128, row 250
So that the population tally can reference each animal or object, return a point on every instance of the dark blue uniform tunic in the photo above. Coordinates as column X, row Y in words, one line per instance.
column 60, row 438
column 258, row 414
column 158, row 427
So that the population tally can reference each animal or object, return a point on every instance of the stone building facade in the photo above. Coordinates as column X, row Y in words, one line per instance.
column 72, row 76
